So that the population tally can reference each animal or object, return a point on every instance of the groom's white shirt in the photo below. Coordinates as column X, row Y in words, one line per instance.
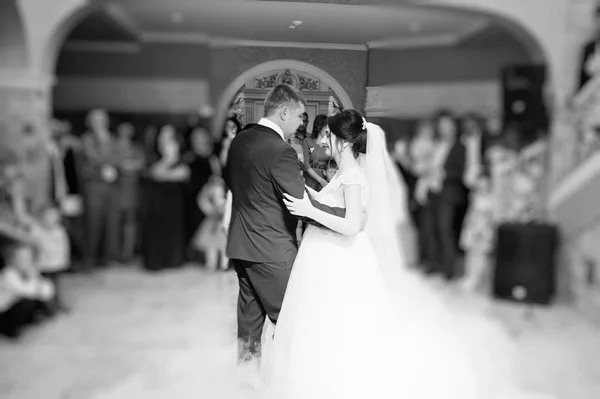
column 271, row 125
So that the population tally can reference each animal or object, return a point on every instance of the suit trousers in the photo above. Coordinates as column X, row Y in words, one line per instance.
column 102, row 222
column 261, row 290
column 438, row 224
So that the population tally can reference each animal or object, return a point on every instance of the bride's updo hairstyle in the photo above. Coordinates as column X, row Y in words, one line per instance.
column 348, row 126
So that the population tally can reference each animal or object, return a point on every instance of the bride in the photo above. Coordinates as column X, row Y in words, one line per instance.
column 355, row 322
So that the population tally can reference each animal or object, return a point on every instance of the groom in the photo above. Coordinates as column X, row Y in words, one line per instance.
column 262, row 241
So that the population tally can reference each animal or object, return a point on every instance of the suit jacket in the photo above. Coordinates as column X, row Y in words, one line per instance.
column 261, row 168
column 454, row 189
column 588, row 51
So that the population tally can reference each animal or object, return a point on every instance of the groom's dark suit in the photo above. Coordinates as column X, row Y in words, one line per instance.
column 262, row 241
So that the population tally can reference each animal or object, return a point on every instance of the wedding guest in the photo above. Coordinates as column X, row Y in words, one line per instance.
column 149, row 140
column 446, row 199
column 52, row 251
column 472, row 131
column 58, row 178
column 210, row 238
column 16, row 308
column 404, row 163
column 409, row 229
column 296, row 140
column 477, row 237
column 315, row 157
column 72, row 207
column 48, row 242
column 131, row 159
column 590, row 59
column 35, row 166
column 163, row 240
column 421, row 154
column 203, row 164
column 331, row 169
column 22, row 286
column 232, row 128
column 100, row 175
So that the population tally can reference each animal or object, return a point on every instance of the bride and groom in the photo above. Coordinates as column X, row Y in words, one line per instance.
column 351, row 320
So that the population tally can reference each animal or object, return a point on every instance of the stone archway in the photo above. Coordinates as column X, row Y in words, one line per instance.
column 15, row 98
column 552, row 33
column 13, row 41
column 231, row 90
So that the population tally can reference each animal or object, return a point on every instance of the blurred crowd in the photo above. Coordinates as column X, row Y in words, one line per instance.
column 108, row 196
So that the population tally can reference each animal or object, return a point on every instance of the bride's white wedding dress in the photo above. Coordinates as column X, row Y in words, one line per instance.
column 354, row 328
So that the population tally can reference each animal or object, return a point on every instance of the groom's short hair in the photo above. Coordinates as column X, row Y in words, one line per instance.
column 280, row 96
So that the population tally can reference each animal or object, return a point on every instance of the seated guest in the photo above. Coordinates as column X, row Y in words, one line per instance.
column 22, row 290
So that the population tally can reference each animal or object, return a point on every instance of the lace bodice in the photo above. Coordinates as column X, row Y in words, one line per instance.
column 333, row 194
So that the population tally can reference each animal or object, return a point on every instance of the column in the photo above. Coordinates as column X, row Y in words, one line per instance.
column 25, row 113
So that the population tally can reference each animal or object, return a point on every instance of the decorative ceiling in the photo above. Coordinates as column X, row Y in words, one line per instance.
column 316, row 23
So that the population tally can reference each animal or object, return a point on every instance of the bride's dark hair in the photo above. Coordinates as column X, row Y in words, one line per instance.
column 348, row 126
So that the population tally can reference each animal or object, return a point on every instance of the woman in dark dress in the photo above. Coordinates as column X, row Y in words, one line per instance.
column 315, row 156
column 163, row 239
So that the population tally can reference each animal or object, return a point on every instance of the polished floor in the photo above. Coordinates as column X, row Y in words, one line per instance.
column 172, row 336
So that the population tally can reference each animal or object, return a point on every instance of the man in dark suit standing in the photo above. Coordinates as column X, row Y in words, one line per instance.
column 447, row 198
column 262, row 241
column 590, row 59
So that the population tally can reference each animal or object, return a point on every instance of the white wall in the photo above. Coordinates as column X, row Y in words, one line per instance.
column 130, row 94
column 415, row 100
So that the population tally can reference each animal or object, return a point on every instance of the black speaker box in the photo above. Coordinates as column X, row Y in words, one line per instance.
column 523, row 97
column 525, row 266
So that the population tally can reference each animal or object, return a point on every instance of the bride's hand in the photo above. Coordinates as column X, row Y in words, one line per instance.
column 298, row 207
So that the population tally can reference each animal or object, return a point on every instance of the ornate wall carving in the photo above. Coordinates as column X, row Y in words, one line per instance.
column 308, row 84
column 266, row 82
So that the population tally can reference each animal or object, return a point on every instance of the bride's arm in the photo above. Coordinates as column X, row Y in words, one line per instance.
column 311, row 191
column 287, row 177
column 350, row 225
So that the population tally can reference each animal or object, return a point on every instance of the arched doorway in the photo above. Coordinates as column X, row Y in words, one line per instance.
column 278, row 67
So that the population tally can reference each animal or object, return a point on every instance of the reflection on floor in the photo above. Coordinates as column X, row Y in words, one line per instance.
column 171, row 335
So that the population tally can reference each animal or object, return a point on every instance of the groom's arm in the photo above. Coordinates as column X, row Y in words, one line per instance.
column 287, row 176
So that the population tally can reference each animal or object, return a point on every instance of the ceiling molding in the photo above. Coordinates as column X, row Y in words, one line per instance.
column 413, row 42
column 124, row 20
column 102, row 46
column 213, row 41
column 444, row 40
column 172, row 37
column 472, row 30
column 260, row 43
